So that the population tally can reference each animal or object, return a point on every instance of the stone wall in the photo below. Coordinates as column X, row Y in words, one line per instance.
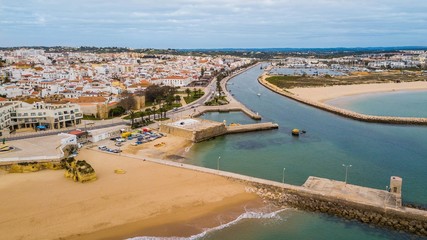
column 401, row 219
column 209, row 132
column 195, row 136
column 180, row 132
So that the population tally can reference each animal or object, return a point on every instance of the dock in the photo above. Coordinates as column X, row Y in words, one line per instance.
column 251, row 127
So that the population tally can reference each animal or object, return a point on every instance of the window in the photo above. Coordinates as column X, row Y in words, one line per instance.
column 25, row 114
column 33, row 114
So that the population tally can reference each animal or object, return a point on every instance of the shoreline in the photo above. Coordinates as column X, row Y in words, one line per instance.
column 184, row 222
column 147, row 199
column 324, row 94
column 315, row 102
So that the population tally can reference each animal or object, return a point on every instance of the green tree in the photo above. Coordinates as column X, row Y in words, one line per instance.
column 188, row 92
column 154, row 109
column 148, row 112
column 177, row 98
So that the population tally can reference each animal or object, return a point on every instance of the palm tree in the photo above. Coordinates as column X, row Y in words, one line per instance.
column 142, row 114
column 153, row 109
column 148, row 112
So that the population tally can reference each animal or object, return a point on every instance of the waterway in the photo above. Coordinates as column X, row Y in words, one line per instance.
column 375, row 151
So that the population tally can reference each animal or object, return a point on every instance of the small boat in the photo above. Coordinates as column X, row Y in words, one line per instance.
column 259, row 94
column 295, row 132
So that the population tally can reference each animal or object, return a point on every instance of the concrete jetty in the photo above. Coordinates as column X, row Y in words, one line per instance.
column 251, row 127
column 236, row 107
column 343, row 112
column 198, row 130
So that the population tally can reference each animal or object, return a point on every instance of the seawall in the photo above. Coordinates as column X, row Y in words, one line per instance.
column 366, row 205
column 343, row 112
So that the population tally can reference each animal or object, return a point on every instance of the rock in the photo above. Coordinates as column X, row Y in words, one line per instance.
column 78, row 170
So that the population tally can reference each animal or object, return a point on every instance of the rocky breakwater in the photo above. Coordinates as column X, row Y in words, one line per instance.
column 402, row 219
column 78, row 170
column 343, row 112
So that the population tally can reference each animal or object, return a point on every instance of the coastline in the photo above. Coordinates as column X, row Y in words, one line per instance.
column 323, row 94
column 149, row 198
column 317, row 103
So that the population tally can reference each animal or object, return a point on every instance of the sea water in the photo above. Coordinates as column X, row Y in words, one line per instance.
column 375, row 151
column 396, row 103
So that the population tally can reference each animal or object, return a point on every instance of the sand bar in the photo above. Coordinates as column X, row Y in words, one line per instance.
column 322, row 94
column 46, row 205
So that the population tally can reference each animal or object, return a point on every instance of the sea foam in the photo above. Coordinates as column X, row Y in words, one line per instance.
column 246, row 215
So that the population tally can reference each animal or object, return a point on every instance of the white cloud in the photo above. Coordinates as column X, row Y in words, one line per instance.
column 220, row 23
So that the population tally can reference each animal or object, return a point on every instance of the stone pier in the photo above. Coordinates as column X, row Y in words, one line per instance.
column 366, row 205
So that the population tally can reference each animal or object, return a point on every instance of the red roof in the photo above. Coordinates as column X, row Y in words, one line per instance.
column 77, row 132
column 3, row 99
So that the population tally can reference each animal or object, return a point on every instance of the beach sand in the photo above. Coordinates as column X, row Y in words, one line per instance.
column 150, row 199
column 322, row 94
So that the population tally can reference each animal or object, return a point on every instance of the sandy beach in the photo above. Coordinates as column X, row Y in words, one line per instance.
column 322, row 94
column 150, row 199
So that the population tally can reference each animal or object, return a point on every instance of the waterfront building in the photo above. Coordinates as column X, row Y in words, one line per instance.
column 17, row 114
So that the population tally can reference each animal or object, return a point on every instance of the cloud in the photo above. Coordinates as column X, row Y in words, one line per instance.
column 214, row 23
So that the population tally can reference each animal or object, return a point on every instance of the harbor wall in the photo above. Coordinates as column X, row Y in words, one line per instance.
column 198, row 135
column 402, row 219
column 343, row 112
column 406, row 219
column 252, row 127
column 227, row 109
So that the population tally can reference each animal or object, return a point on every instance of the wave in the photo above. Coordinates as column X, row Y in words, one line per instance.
column 246, row 215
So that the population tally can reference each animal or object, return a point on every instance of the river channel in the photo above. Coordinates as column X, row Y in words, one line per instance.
column 375, row 151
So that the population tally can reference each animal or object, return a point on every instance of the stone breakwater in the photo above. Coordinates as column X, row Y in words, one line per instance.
column 402, row 219
column 362, row 205
column 343, row 112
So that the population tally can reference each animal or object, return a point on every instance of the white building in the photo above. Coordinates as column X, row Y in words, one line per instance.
column 39, row 115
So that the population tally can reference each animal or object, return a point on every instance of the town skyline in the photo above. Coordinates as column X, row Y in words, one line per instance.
column 209, row 25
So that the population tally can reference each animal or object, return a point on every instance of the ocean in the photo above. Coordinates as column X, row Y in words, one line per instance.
column 375, row 151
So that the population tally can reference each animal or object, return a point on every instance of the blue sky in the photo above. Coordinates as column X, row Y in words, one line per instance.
column 213, row 23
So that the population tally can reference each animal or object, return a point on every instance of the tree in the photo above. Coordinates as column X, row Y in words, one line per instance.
column 177, row 98
column 188, row 91
column 128, row 103
column 153, row 109
column 148, row 112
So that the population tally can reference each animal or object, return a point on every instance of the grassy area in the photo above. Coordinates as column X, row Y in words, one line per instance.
column 288, row 82
column 193, row 97
column 217, row 101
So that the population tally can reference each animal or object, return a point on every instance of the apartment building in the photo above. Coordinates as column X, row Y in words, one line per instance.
column 16, row 115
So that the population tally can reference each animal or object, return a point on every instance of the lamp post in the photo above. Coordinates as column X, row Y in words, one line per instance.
column 346, row 171
column 283, row 176
column 217, row 163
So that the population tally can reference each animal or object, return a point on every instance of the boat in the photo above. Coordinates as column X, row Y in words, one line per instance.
column 259, row 94
column 295, row 132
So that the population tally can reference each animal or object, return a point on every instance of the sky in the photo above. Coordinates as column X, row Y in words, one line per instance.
column 182, row 24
